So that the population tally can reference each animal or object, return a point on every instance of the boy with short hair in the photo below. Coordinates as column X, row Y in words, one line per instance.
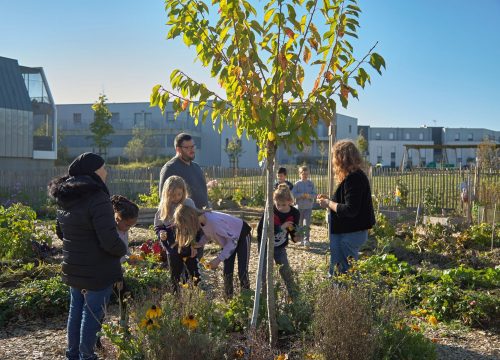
column 282, row 179
column 305, row 194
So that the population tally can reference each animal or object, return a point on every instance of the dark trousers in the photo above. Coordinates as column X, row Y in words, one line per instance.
column 243, row 252
column 179, row 262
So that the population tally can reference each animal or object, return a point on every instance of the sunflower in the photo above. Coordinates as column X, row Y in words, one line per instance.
column 190, row 322
column 149, row 324
column 239, row 353
column 153, row 312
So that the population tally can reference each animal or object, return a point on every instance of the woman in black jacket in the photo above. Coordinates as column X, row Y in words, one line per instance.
column 351, row 207
column 92, row 249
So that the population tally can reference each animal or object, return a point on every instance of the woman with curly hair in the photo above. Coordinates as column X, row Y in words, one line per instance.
column 351, row 207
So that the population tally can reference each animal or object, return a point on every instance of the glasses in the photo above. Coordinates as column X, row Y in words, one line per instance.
column 189, row 147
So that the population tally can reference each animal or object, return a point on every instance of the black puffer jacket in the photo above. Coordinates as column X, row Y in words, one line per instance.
column 86, row 224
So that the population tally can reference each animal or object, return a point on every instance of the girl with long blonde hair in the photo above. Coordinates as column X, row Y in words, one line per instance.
column 231, row 233
column 351, row 207
column 173, row 195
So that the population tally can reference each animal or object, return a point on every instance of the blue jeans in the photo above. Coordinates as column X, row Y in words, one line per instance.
column 85, row 313
column 344, row 246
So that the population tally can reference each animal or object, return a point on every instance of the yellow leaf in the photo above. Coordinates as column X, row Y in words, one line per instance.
column 271, row 136
column 307, row 54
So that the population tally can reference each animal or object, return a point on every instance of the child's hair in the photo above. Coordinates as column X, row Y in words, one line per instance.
column 166, row 206
column 186, row 225
column 124, row 207
column 282, row 193
column 303, row 168
column 282, row 170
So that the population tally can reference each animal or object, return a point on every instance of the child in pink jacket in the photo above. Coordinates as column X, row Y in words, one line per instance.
column 231, row 233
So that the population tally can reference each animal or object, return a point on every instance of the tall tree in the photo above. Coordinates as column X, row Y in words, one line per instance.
column 259, row 58
column 101, row 127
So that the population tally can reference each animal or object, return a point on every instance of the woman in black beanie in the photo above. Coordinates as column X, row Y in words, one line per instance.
column 92, row 249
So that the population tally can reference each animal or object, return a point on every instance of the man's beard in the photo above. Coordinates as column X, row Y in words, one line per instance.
column 187, row 158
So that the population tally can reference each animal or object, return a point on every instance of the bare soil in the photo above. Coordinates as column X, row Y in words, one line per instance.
column 24, row 339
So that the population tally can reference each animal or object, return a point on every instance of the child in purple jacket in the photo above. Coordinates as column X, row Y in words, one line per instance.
column 231, row 233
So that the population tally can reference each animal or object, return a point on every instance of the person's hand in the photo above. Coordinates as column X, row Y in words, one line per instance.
column 287, row 226
column 214, row 263
column 321, row 196
column 323, row 202
column 163, row 235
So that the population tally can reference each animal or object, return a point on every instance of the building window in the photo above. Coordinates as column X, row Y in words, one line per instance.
column 407, row 136
column 379, row 159
column 470, row 137
column 139, row 120
column 77, row 118
column 147, row 119
column 377, row 136
column 350, row 129
column 170, row 116
column 115, row 117
column 391, row 136
column 457, row 137
column 421, row 136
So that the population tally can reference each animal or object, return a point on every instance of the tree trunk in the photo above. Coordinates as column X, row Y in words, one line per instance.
column 271, row 310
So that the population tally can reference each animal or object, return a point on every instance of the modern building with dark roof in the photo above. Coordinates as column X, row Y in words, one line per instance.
column 28, row 117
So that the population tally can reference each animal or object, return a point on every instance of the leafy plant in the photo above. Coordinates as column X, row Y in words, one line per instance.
column 258, row 198
column 17, row 226
column 152, row 199
column 432, row 202
column 39, row 298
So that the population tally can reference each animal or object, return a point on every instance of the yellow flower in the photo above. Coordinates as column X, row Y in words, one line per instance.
column 415, row 327
column 239, row 353
column 432, row 320
column 205, row 263
column 153, row 312
column 149, row 324
column 184, row 286
column 190, row 322
column 281, row 357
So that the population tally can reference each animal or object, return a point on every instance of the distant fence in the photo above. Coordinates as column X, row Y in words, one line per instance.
column 30, row 186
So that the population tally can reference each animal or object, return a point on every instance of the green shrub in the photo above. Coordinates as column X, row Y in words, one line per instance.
column 39, row 298
column 17, row 226
column 189, row 326
column 152, row 199
column 258, row 198
column 319, row 217
column 402, row 342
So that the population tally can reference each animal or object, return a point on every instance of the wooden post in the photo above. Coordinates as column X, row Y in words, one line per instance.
column 493, row 227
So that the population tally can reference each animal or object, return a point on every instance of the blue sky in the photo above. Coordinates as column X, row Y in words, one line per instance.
column 443, row 56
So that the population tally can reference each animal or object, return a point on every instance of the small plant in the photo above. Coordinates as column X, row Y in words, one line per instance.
column 431, row 202
column 152, row 199
column 401, row 193
column 258, row 198
column 17, row 226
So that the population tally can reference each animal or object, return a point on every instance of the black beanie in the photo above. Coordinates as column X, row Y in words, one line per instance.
column 85, row 164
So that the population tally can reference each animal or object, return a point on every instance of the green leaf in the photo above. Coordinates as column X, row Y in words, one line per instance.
column 377, row 61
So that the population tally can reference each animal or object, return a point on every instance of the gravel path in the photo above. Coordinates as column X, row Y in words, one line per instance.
column 27, row 339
